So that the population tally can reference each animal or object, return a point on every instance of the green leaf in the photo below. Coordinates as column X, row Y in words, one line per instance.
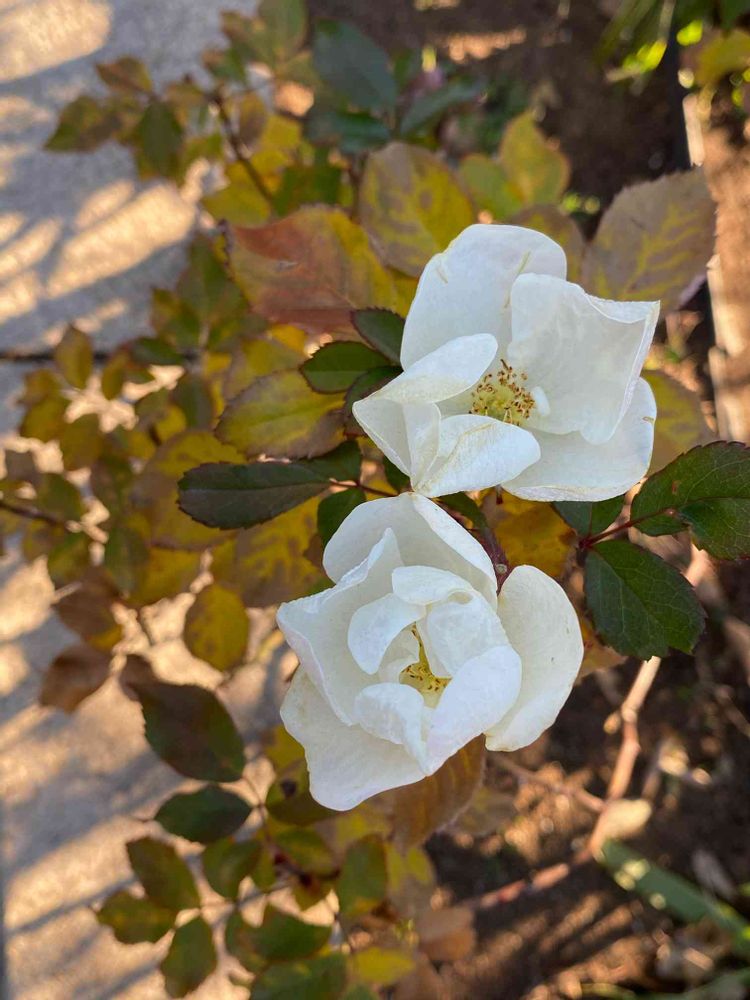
column 74, row 675
column 84, row 125
column 322, row 978
column 191, row 958
column 336, row 366
column 193, row 396
column 240, row 944
column 206, row 815
column 289, row 801
column 189, row 728
column 640, row 604
column 363, row 882
column 588, row 518
column 68, row 560
column 154, row 351
column 666, row 891
column 217, row 627
column 354, row 65
column 302, row 185
column 165, row 877
column 307, row 850
column 125, row 74
column 350, row 131
column 381, row 966
column 134, row 920
column 235, row 496
column 382, row 329
column 281, row 416
column 74, row 357
column 706, row 490
column 159, row 136
column 394, row 476
column 81, row 442
column 282, row 937
column 465, row 506
column 226, row 863
column 334, row 509
column 429, row 107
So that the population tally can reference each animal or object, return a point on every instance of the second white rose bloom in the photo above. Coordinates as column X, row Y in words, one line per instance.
column 514, row 376
column 412, row 654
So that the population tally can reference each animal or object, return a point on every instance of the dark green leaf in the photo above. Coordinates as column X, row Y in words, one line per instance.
column 334, row 509
column 84, row 124
column 134, row 920
column 57, row 495
column 165, row 877
column 308, row 851
column 154, row 351
column 289, row 801
column 382, row 329
column 240, row 942
column 322, row 978
column 367, row 383
column 226, row 863
column 363, row 881
column 336, row 366
column 465, row 506
column 640, row 604
column 353, row 65
column 193, row 396
column 189, row 728
column 350, row 131
column 305, row 185
column 706, row 490
column 208, row 814
column 191, row 958
column 68, row 560
column 159, row 136
column 282, row 937
column 589, row 518
column 427, row 108
column 223, row 495
column 74, row 357
column 395, row 477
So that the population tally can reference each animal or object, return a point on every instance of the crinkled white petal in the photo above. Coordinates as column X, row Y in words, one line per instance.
column 585, row 353
column 447, row 371
column 423, row 585
column 426, row 534
column 347, row 765
column 397, row 713
column 572, row 469
column 374, row 626
column 466, row 289
column 317, row 627
column 402, row 652
column 543, row 629
column 474, row 453
column 480, row 694
column 407, row 434
column 456, row 631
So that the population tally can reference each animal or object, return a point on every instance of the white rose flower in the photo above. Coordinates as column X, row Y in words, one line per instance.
column 412, row 653
column 515, row 377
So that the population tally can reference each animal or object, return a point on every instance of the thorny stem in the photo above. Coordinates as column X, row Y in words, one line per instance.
column 233, row 139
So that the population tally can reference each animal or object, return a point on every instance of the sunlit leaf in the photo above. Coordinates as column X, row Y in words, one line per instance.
column 412, row 205
column 240, row 201
column 72, row 676
column 191, row 958
column 166, row 573
column 84, row 125
column 653, row 242
column 81, row 442
column 164, row 875
column 281, row 416
column 640, row 604
column 538, row 171
column 530, row 533
column 680, row 423
column 280, row 349
column 217, row 627
column 189, row 728
column 380, row 966
column 208, row 814
column 74, row 357
column 311, row 269
column 721, row 55
column 134, row 919
column 490, row 187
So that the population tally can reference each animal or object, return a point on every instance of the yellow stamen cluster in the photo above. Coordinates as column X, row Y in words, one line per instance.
column 419, row 675
column 502, row 395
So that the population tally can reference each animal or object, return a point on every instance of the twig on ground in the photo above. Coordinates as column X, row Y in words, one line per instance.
column 586, row 799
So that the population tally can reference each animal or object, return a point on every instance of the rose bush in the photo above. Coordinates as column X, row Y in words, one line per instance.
column 515, row 377
column 412, row 654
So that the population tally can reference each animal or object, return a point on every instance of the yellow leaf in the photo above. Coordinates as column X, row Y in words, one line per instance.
column 280, row 348
column 551, row 221
column 535, row 167
column 596, row 656
column 311, row 269
column 530, row 533
column 166, row 573
column 239, row 201
column 278, row 147
column 280, row 415
column 412, row 205
column 217, row 627
column 489, row 186
column 653, row 242
column 721, row 55
column 74, row 356
column 381, row 966
column 267, row 563
column 680, row 424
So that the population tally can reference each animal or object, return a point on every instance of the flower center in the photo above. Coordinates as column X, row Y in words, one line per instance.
column 502, row 395
column 419, row 675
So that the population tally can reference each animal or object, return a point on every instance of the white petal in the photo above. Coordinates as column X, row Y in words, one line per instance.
column 426, row 534
column 543, row 629
column 466, row 289
column 407, row 434
column 427, row 585
column 572, row 469
column 479, row 696
column 374, row 626
column 456, row 631
column 586, row 354
column 317, row 627
column 403, row 651
column 446, row 372
column 346, row 764
column 474, row 453
column 395, row 712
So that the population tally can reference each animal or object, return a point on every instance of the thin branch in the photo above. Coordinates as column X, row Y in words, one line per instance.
column 33, row 514
column 541, row 880
column 586, row 799
column 233, row 139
